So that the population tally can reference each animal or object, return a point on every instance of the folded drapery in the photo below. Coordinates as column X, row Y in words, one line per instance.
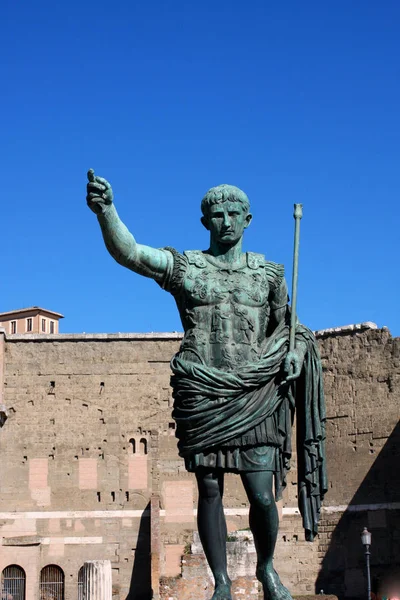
column 212, row 407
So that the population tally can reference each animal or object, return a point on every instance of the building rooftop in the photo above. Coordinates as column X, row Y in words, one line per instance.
column 20, row 311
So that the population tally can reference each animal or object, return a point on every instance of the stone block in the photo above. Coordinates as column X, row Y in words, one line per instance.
column 178, row 501
column 138, row 473
column 173, row 558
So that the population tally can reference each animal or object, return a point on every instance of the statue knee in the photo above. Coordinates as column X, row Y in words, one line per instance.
column 209, row 489
column 262, row 501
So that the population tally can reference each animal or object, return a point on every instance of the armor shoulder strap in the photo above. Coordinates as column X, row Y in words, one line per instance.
column 196, row 257
column 255, row 261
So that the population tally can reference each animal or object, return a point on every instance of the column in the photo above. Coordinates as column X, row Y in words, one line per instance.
column 97, row 580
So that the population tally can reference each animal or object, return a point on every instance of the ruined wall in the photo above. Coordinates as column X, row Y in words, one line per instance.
column 74, row 473
column 362, row 387
column 362, row 376
column 75, row 476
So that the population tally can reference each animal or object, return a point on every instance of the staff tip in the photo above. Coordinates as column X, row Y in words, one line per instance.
column 298, row 211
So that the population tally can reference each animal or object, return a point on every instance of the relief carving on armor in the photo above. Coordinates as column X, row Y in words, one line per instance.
column 195, row 322
column 227, row 362
column 199, row 290
column 220, row 325
column 245, row 326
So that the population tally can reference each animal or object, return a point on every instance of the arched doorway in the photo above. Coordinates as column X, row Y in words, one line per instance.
column 13, row 583
column 51, row 583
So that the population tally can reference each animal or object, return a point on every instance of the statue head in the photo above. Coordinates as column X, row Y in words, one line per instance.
column 223, row 193
column 226, row 213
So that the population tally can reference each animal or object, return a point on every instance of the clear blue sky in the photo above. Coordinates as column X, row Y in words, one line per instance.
column 291, row 101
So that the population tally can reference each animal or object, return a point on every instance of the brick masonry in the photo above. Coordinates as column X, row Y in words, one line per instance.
column 76, row 476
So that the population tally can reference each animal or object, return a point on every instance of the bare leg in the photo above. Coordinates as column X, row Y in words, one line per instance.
column 212, row 529
column 264, row 523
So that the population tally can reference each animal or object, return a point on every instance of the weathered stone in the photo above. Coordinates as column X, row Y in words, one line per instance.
column 135, row 371
column 97, row 580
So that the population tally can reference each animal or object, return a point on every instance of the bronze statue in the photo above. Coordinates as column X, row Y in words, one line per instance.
column 233, row 377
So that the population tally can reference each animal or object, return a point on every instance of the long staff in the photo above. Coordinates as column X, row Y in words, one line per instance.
column 298, row 213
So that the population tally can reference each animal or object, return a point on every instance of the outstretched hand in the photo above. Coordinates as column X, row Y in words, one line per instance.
column 99, row 193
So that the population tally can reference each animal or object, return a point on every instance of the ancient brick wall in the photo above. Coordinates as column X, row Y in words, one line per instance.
column 75, row 476
column 75, row 471
column 362, row 376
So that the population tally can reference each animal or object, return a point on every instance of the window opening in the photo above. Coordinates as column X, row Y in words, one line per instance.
column 13, row 583
column 80, row 584
column 51, row 583
column 143, row 446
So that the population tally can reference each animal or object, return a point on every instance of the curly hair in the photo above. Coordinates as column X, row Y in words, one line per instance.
column 223, row 193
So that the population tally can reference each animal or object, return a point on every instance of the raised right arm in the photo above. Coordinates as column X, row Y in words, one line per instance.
column 120, row 243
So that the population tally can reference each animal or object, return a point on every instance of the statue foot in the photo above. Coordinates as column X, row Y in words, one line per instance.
column 222, row 592
column 272, row 585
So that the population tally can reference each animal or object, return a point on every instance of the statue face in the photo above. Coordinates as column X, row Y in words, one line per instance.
column 226, row 222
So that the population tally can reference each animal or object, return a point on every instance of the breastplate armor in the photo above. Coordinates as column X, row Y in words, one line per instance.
column 224, row 309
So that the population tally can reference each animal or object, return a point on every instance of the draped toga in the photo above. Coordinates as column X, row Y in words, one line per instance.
column 240, row 419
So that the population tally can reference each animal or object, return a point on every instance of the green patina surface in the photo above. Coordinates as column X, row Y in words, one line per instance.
column 236, row 380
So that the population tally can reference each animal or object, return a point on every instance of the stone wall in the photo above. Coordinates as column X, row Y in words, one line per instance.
column 75, row 476
column 75, row 472
column 362, row 376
